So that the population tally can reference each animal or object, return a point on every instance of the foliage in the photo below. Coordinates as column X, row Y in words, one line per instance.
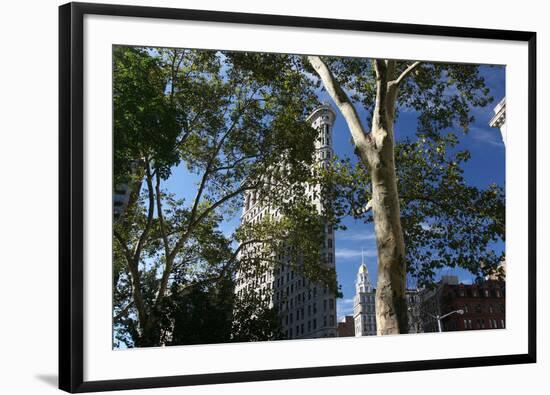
column 445, row 221
column 227, row 119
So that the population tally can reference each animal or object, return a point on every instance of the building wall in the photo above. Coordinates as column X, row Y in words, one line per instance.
column 484, row 306
column 364, row 313
column 347, row 327
column 306, row 309
column 499, row 119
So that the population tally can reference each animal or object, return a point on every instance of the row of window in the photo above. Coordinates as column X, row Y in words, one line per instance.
column 475, row 293
column 480, row 324
column 328, row 304
column 302, row 329
column 478, row 308
column 324, row 155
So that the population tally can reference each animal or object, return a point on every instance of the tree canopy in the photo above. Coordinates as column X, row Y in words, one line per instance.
column 236, row 121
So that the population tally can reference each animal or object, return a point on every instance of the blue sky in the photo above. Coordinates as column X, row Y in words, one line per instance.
column 486, row 166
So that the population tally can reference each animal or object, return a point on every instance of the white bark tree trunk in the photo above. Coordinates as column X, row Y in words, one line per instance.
column 376, row 149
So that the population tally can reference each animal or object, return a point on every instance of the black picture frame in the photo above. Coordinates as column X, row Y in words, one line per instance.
column 71, row 173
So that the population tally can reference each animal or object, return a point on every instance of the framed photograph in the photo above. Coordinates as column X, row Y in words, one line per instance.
column 251, row 197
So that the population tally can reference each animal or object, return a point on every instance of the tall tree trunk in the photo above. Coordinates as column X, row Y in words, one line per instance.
column 376, row 149
column 391, row 306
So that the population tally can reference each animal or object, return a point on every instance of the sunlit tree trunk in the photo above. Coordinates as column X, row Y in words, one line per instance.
column 376, row 149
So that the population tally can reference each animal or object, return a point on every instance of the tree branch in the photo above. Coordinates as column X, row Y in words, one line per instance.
column 123, row 312
column 235, row 163
column 407, row 71
column 127, row 252
column 342, row 101
column 168, row 262
column 151, row 209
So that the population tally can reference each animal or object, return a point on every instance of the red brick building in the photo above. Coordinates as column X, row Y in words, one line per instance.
column 483, row 304
column 346, row 328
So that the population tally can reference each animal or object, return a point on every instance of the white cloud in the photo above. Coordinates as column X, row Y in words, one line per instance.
column 348, row 253
column 490, row 137
column 344, row 307
column 359, row 236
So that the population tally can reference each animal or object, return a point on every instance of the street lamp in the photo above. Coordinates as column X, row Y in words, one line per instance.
column 438, row 317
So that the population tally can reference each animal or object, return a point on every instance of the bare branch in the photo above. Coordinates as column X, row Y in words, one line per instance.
column 168, row 262
column 235, row 163
column 365, row 209
column 407, row 71
column 151, row 208
column 342, row 101
column 380, row 120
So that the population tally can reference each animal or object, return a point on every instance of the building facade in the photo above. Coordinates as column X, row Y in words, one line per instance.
column 364, row 313
column 346, row 328
column 499, row 119
column 483, row 305
column 306, row 309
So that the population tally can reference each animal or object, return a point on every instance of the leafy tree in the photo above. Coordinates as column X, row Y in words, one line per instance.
column 254, row 319
column 229, row 125
column 443, row 95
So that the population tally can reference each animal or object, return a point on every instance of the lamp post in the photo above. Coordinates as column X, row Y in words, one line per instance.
column 438, row 317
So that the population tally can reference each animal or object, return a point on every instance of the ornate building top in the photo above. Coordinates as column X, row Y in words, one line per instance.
column 363, row 283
